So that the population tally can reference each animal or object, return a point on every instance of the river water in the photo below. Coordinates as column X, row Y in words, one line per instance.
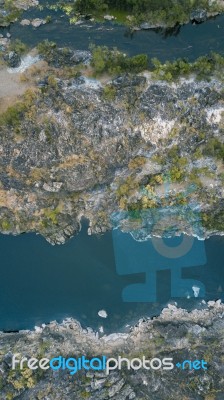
column 40, row 282
column 190, row 41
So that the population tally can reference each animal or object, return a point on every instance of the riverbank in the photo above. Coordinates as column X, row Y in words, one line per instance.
column 137, row 16
column 155, row 152
column 175, row 333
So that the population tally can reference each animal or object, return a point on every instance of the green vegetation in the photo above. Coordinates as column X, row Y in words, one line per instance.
column 137, row 162
column 203, row 67
column 13, row 115
column 167, row 12
column 46, row 48
column 85, row 395
column 109, row 92
column 18, row 46
column 12, row 13
column 50, row 217
column 214, row 220
column 114, row 62
column 6, row 225
column 214, row 148
column 60, row 58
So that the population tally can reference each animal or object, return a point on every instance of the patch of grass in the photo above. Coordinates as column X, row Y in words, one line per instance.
column 14, row 115
column 51, row 215
column 18, row 46
column 109, row 92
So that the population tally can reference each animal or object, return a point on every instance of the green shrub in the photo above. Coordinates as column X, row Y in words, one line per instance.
column 203, row 67
column 18, row 46
column 12, row 116
column 214, row 148
column 109, row 92
column 89, row 6
column 46, row 47
column 114, row 62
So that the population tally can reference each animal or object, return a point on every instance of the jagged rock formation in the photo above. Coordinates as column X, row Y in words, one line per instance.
column 78, row 148
column 175, row 333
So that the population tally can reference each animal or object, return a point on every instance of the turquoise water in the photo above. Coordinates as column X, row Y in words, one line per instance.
column 40, row 282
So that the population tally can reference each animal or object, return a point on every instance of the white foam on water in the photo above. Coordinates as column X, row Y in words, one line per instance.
column 26, row 62
column 196, row 291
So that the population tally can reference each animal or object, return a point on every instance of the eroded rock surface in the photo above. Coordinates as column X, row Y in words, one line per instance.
column 72, row 151
column 176, row 333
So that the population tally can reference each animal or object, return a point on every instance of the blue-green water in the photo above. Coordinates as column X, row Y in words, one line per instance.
column 190, row 41
column 40, row 282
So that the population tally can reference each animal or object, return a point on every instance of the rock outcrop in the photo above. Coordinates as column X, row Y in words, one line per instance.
column 69, row 151
column 176, row 333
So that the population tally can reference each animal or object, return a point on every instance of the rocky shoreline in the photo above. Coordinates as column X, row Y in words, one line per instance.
column 132, row 152
column 176, row 333
column 12, row 10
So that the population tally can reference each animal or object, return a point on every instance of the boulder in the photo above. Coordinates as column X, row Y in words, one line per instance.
column 198, row 16
column 25, row 22
column 81, row 56
column 38, row 22
column 109, row 17
column 102, row 314
column 13, row 59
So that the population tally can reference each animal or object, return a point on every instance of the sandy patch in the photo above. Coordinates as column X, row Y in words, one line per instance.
column 10, row 88
column 12, row 82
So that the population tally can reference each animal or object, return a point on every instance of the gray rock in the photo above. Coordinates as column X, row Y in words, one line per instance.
column 25, row 22
column 81, row 56
column 204, row 338
column 146, row 26
column 198, row 16
column 13, row 59
column 109, row 17
column 38, row 22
